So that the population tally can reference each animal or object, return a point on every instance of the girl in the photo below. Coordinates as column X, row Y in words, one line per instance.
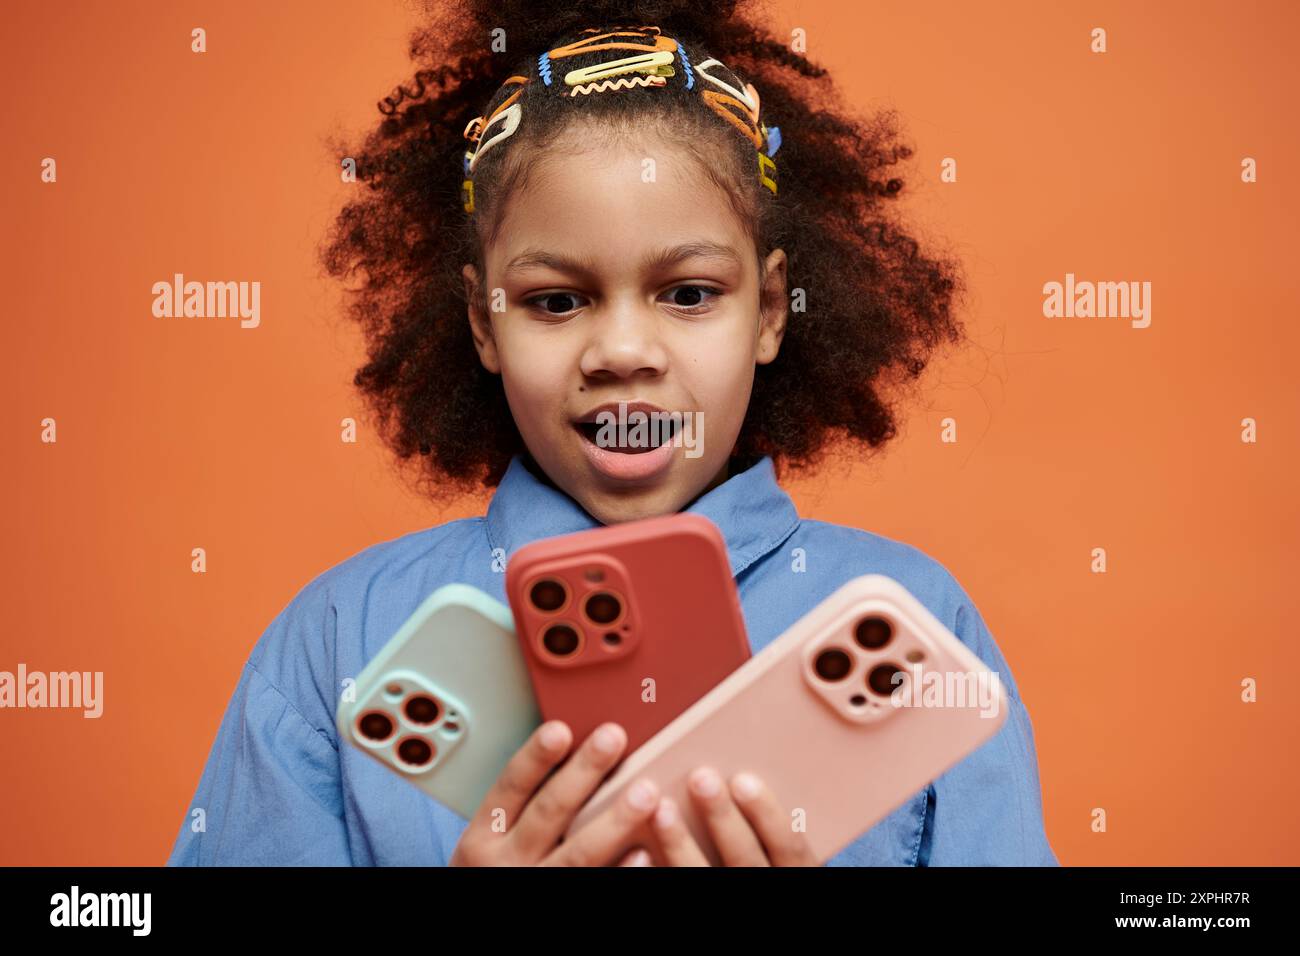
column 627, row 223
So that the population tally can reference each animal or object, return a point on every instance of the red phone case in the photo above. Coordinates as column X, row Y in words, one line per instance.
column 678, row 630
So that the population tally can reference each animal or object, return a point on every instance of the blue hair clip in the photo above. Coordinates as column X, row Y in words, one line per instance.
column 686, row 65
column 773, row 140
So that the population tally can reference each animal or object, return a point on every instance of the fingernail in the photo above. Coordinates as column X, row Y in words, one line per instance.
column 552, row 736
column 666, row 815
column 607, row 739
column 641, row 858
column 746, row 786
column 642, row 795
column 706, row 783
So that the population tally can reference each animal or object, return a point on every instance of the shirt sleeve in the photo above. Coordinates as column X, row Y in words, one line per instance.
column 270, row 793
column 987, row 809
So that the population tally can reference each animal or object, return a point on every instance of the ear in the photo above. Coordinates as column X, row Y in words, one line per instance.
column 773, row 307
column 480, row 323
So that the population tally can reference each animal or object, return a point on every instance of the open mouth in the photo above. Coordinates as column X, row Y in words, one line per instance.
column 631, row 440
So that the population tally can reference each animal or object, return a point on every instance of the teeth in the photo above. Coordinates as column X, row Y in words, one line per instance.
column 590, row 430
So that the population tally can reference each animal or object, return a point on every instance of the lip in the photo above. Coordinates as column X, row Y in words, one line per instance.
column 624, row 466
column 633, row 406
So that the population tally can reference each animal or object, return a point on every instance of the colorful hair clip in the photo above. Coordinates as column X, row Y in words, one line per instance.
column 656, row 64
column 768, row 181
column 622, row 83
column 773, row 139
column 508, row 112
column 650, row 64
column 686, row 66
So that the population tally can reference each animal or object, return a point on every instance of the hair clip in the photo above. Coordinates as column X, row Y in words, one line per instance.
column 649, row 66
column 656, row 64
column 768, row 181
column 598, row 29
column 622, row 83
column 508, row 112
column 773, row 139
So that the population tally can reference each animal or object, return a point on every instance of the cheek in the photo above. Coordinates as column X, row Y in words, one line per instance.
column 727, row 397
column 533, row 373
column 720, row 376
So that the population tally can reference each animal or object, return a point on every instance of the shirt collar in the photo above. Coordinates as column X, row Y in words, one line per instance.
column 751, row 510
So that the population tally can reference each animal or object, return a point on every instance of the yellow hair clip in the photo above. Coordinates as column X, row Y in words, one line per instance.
column 768, row 181
column 655, row 64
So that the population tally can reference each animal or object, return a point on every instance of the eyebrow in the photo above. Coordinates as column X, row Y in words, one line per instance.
column 661, row 259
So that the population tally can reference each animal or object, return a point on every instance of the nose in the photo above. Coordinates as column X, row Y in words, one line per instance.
column 625, row 342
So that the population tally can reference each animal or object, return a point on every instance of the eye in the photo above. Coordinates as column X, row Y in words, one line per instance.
column 688, row 299
column 697, row 298
column 553, row 304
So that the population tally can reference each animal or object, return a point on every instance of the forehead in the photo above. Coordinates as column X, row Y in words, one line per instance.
column 615, row 201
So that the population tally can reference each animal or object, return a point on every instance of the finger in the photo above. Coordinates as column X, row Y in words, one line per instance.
column 553, row 807
column 637, row 856
column 770, row 821
column 603, row 838
column 736, row 841
column 521, row 776
column 675, row 838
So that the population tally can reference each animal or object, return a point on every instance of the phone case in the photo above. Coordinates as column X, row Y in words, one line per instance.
column 447, row 701
column 803, row 716
column 673, row 630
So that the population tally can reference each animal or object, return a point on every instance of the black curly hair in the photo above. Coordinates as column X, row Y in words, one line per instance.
column 876, row 307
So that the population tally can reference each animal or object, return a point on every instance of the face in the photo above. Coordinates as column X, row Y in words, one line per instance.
column 605, row 289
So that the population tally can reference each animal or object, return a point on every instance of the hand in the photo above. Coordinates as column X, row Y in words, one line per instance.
column 537, row 808
column 746, row 823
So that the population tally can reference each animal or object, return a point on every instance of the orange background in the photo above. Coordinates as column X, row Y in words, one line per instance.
column 1073, row 433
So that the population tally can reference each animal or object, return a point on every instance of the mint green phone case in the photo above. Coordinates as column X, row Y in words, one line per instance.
column 458, row 649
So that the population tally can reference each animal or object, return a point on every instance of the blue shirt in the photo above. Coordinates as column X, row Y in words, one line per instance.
column 278, row 787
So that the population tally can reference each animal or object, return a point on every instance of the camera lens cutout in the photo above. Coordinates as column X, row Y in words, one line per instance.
column 421, row 709
column 376, row 725
column 833, row 664
column 603, row 607
column 415, row 752
column 881, row 679
column 548, row 594
column 560, row 639
column 873, row 633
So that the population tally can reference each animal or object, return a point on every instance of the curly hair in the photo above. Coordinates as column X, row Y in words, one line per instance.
column 875, row 306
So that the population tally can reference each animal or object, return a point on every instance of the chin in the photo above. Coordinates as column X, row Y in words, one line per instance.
column 613, row 500
column 613, row 504
column 610, row 507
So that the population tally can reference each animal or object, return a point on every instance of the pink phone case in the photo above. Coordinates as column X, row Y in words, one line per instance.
column 837, row 754
column 679, row 622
